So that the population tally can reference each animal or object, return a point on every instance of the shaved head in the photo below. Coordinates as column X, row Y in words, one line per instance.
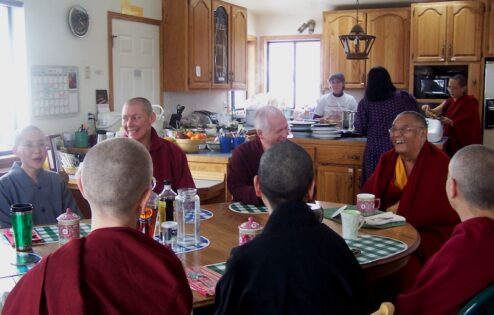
column 472, row 168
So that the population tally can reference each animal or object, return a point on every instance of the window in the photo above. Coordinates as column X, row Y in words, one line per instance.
column 294, row 71
column 13, row 76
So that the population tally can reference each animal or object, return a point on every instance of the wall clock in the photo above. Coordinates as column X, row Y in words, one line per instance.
column 78, row 21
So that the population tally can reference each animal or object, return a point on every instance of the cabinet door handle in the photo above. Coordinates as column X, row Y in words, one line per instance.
column 450, row 51
column 442, row 52
column 354, row 157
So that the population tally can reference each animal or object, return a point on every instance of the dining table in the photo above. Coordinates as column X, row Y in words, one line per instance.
column 221, row 230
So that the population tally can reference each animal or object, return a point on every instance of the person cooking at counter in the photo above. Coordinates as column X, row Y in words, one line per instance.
column 461, row 117
column 330, row 107
column 271, row 128
column 169, row 161
column 410, row 180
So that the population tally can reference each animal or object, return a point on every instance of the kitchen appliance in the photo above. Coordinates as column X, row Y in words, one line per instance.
column 432, row 81
column 434, row 130
column 489, row 104
column 175, row 118
column 199, row 119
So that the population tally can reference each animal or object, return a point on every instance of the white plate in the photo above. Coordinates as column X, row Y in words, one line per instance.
column 325, row 137
column 324, row 129
column 326, row 132
column 301, row 123
column 324, row 125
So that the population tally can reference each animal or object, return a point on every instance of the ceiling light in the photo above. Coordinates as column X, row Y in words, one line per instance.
column 357, row 44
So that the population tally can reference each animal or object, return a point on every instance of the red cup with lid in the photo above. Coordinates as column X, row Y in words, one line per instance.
column 68, row 226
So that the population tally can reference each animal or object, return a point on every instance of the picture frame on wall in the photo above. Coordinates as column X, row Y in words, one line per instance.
column 53, row 144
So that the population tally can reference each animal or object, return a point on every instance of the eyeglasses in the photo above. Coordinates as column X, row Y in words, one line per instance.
column 34, row 146
column 403, row 130
column 133, row 118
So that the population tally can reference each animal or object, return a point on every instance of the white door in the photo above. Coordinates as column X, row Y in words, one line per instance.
column 136, row 64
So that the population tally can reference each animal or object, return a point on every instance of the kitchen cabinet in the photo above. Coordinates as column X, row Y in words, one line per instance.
column 337, row 165
column 229, row 46
column 390, row 50
column 457, row 31
column 204, row 45
column 489, row 29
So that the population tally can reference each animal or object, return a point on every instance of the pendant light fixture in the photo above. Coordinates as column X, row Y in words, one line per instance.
column 357, row 44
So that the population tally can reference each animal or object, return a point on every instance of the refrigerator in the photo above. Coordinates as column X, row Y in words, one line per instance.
column 489, row 104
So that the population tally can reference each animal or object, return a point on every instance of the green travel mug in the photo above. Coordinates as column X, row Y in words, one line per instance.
column 21, row 215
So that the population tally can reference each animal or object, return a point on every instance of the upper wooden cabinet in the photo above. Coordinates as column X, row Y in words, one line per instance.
column 390, row 50
column 204, row 45
column 447, row 31
column 489, row 29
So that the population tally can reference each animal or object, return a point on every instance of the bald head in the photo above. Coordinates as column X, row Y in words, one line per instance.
column 418, row 118
column 472, row 168
column 109, row 176
column 285, row 173
column 20, row 135
column 144, row 102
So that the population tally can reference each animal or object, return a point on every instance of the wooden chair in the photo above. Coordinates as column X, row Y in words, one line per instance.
column 386, row 308
column 481, row 304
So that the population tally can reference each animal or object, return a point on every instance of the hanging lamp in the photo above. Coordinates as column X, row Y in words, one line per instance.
column 357, row 44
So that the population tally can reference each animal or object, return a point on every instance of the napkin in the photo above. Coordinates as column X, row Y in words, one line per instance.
column 202, row 279
column 10, row 237
column 384, row 218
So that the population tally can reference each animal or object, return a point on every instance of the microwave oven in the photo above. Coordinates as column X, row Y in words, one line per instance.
column 431, row 87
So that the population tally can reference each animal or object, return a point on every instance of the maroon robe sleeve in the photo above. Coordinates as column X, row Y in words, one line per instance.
column 242, row 168
column 466, row 119
column 112, row 271
column 462, row 268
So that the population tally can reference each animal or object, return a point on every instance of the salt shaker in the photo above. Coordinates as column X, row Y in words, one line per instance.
column 248, row 230
column 68, row 226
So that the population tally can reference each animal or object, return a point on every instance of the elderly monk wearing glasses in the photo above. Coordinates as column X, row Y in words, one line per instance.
column 410, row 181
column 169, row 161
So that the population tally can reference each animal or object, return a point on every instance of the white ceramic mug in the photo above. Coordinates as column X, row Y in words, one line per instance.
column 367, row 203
column 351, row 221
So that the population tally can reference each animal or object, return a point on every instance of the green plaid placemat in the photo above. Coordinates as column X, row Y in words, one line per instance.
column 329, row 212
column 219, row 267
column 374, row 247
column 49, row 233
column 243, row 208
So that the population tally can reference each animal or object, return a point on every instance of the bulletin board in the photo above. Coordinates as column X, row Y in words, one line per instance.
column 54, row 90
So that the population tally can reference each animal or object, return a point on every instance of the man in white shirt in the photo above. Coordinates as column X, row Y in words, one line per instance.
column 330, row 106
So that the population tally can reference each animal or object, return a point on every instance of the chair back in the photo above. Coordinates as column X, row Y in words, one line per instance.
column 481, row 304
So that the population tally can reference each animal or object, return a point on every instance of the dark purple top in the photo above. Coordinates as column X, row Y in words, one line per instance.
column 373, row 120
column 242, row 168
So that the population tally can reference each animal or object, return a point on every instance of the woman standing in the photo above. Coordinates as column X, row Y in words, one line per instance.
column 461, row 119
column 375, row 114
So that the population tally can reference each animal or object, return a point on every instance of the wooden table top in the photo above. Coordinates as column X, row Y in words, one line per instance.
column 222, row 232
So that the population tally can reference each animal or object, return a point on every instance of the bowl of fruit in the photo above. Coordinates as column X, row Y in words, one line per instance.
column 191, row 142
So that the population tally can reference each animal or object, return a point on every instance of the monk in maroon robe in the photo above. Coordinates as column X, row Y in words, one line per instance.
column 463, row 266
column 169, row 161
column 271, row 128
column 461, row 116
column 410, row 181
column 116, row 269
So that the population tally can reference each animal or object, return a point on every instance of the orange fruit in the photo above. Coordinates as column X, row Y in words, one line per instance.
column 202, row 136
column 190, row 134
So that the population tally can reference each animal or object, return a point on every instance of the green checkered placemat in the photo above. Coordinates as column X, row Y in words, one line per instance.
column 374, row 247
column 49, row 233
column 329, row 212
column 243, row 208
column 219, row 267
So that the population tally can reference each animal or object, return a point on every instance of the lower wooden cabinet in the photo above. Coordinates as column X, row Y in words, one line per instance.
column 337, row 167
column 335, row 183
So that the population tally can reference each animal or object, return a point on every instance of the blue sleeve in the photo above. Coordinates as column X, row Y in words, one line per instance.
column 4, row 206
column 361, row 118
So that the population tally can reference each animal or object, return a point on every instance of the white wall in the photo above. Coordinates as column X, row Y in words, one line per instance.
column 49, row 42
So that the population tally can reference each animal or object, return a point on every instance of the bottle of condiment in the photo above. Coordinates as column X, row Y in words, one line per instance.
column 167, row 202
column 147, row 219
column 188, row 217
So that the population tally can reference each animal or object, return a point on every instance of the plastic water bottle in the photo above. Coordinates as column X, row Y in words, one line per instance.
column 188, row 217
